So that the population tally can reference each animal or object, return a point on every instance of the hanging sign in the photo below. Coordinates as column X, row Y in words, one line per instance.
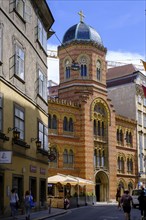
column 5, row 157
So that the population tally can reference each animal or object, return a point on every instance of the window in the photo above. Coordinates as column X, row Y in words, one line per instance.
column 1, row 43
column 144, row 120
column 98, row 70
column 71, row 125
column 23, row 10
column 139, row 117
column 43, row 136
column 20, row 7
column 99, row 158
column 65, row 157
column 42, row 35
column 83, row 62
column 19, row 62
column 139, row 99
column 120, row 164
column 144, row 102
column 42, row 85
column 70, row 157
column 53, row 163
column 129, row 166
column 1, row 112
column 65, row 123
column 49, row 121
column 145, row 142
column 67, row 69
column 128, row 137
column 19, row 120
column 52, row 122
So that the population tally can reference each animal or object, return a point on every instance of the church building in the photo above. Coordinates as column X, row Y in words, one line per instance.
column 87, row 136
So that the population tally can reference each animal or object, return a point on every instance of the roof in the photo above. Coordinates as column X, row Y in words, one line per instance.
column 121, row 71
column 81, row 32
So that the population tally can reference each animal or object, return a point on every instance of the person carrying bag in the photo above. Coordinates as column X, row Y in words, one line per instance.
column 28, row 204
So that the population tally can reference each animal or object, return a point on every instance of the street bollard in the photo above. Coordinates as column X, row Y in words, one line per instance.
column 50, row 206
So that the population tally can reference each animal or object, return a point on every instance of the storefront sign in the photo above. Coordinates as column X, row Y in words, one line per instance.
column 5, row 157
column 42, row 171
column 33, row 169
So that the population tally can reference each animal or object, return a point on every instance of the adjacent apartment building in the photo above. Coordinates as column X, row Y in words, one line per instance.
column 127, row 90
column 24, row 30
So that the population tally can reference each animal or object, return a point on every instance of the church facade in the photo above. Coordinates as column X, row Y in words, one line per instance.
column 88, row 137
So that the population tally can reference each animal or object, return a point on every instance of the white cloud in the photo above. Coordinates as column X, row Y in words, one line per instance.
column 116, row 58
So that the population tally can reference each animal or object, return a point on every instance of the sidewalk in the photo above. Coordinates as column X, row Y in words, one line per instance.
column 40, row 215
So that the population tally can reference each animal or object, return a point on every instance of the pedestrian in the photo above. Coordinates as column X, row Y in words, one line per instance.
column 28, row 199
column 126, row 200
column 141, row 200
column 13, row 202
column 66, row 203
column 118, row 197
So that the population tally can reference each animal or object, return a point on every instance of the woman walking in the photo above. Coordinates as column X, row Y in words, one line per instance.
column 13, row 200
column 27, row 204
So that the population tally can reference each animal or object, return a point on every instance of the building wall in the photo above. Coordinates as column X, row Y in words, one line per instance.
column 123, row 99
column 29, row 165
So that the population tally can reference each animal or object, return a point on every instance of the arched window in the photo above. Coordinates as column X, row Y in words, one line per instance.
column 83, row 70
column 99, row 128
column 71, row 125
column 102, row 128
column 98, row 70
column 83, row 63
column 67, row 69
column 119, row 164
column 103, row 159
column 49, row 121
column 54, row 122
column 95, row 129
column 65, row 124
column 122, row 165
column 121, row 136
column 71, row 157
column 130, row 138
column 53, row 163
column 129, row 166
column 65, row 157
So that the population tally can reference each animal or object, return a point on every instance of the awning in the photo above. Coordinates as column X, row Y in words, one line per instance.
column 73, row 180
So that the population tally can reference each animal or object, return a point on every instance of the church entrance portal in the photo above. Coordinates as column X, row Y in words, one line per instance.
column 101, row 187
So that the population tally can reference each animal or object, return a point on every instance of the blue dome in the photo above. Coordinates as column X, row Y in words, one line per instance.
column 81, row 32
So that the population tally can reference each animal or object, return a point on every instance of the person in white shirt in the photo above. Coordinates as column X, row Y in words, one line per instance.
column 13, row 200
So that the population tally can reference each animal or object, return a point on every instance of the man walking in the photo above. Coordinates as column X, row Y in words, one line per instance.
column 126, row 203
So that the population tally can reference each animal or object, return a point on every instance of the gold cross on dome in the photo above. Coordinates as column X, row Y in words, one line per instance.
column 81, row 16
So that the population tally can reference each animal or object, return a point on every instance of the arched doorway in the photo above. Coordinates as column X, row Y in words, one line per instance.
column 101, row 187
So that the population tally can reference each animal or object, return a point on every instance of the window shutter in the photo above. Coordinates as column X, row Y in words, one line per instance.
column 28, row 14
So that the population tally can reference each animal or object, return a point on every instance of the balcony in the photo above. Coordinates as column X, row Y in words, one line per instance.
column 3, row 137
column 20, row 143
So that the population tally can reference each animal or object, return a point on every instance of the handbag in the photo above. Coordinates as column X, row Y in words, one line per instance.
column 31, row 202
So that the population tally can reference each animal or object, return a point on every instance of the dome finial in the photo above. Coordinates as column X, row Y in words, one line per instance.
column 81, row 16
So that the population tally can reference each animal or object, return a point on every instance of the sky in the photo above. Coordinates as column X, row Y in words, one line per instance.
column 121, row 25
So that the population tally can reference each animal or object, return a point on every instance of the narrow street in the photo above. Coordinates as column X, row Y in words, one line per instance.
column 107, row 212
